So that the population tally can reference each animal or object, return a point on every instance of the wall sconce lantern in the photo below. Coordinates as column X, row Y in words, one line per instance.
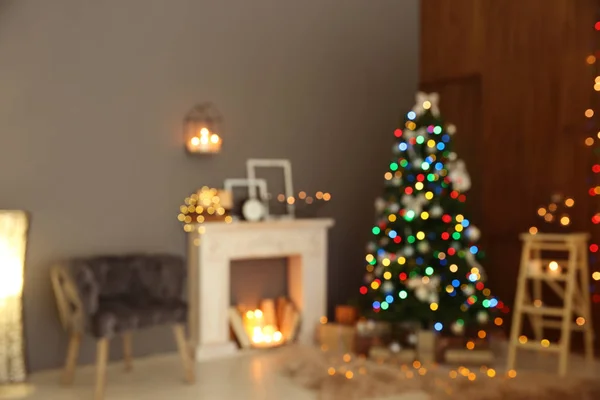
column 13, row 242
column 202, row 129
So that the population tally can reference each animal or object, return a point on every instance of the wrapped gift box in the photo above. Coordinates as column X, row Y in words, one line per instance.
column 465, row 351
column 404, row 356
column 336, row 337
column 346, row 315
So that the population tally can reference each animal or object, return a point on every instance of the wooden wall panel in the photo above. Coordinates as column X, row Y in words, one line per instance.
column 530, row 59
column 459, row 22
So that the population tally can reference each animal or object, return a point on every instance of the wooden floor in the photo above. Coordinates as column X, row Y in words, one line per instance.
column 246, row 377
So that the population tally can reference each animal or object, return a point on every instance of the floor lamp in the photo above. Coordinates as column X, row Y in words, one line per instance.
column 13, row 242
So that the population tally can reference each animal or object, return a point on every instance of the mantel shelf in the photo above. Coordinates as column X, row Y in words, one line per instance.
column 305, row 223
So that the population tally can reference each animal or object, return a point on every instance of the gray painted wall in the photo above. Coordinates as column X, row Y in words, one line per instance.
column 92, row 95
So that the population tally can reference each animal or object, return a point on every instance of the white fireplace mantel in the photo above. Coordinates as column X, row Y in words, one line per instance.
column 211, row 248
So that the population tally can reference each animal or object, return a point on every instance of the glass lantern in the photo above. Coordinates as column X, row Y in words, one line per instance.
column 202, row 129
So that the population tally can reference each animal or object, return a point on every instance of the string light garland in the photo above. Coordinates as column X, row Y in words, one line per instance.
column 593, row 127
column 304, row 197
column 422, row 262
column 306, row 205
column 556, row 212
column 202, row 207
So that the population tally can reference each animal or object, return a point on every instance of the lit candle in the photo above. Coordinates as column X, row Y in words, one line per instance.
column 209, row 142
column 554, row 268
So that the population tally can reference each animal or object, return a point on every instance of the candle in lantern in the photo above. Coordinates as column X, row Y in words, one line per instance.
column 554, row 268
column 205, row 142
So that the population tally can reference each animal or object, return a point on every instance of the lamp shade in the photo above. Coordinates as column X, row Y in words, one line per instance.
column 14, row 225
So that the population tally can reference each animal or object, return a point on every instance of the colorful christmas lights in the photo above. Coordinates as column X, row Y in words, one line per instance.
column 593, row 128
column 422, row 262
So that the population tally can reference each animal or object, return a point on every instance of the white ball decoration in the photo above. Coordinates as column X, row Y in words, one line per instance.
column 394, row 208
column 412, row 339
column 423, row 246
column 451, row 129
column 380, row 204
column 395, row 347
column 433, row 297
column 436, row 211
column 387, row 287
column 473, row 233
column 422, row 294
column 396, row 181
column 457, row 328
column 418, row 162
column 468, row 290
column 482, row 317
column 452, row 156
column 409, row 251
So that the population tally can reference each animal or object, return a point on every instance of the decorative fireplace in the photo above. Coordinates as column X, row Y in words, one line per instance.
column 214, row 245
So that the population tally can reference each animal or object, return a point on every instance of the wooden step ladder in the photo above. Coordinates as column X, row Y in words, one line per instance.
column 574, row 315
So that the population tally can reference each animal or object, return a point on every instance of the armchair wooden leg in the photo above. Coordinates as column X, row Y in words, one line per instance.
column 71, row 362
column 101, row 362
column 127, row 351
column 184, row 353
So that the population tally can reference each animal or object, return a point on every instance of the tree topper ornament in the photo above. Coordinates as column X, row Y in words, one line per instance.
column 427, row 101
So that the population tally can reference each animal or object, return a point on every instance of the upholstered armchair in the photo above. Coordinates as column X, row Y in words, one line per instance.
column 111, row 296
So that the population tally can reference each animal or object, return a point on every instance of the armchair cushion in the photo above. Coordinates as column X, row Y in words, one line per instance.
column 128, row 292
column 116, row 316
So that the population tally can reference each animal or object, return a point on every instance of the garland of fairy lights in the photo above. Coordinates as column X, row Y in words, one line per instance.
column 593, row 127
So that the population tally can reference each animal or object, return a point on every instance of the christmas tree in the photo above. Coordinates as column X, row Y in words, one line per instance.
column 423, row 259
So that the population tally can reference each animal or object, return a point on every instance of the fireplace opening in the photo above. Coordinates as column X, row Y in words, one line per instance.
column 261, row 314
column 253, row 280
